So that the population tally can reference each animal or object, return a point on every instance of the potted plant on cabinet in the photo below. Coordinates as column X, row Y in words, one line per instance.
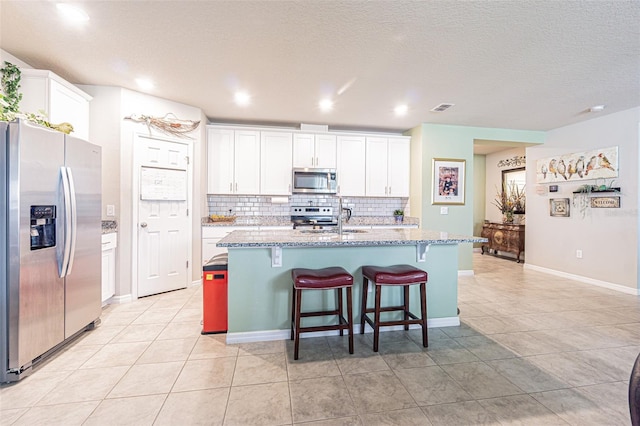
column 511, row 203
column 399, row 215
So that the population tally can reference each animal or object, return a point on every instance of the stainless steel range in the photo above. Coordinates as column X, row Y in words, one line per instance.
column 317, row 217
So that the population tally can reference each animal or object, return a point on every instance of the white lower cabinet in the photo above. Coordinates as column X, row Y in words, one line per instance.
column 109, row 245
column 212, row 234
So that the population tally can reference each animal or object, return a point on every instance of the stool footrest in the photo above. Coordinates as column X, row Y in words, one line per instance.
column 342, row 326
column 386, row 309
column 416, row 320
column 319, row 313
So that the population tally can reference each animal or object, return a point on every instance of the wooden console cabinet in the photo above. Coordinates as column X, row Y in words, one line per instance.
column 503, row 237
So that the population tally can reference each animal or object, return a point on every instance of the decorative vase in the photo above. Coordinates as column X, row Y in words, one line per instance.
column 507, row 217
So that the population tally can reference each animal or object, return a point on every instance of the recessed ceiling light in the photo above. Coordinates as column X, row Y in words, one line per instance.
column 326, row 105
column 145, row 83
column 401, row 109
column 597, row 108
column 72, row 13
column 242, row 98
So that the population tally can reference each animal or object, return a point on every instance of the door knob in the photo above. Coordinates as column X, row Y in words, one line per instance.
column 143, row 225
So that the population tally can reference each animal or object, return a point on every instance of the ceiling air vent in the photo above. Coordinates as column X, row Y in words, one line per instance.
column 442, row 107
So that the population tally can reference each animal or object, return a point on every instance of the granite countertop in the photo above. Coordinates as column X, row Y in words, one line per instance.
column 286, row 221
column 372, row 237
column 109, row 226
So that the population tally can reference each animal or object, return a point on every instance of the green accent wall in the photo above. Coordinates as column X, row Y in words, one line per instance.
column 446, row 141
column 260, row 296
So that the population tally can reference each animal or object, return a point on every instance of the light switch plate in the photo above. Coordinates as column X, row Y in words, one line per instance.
column 111, row 210
column 444, row 210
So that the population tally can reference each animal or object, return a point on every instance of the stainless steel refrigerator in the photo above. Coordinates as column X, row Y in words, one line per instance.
column 50, row 252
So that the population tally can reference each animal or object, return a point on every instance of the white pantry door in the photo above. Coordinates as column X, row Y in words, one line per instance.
column 163, row 222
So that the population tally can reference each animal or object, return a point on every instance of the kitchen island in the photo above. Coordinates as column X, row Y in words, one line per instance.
column 260, row 263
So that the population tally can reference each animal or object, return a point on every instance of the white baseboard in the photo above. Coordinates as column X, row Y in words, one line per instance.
column 586, row 280
column 116, row 300
column 196, row 283
column 465, row 273
column 268, row 335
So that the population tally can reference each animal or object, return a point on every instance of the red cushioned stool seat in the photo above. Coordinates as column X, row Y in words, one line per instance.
column 397, row 275
column 332, row 278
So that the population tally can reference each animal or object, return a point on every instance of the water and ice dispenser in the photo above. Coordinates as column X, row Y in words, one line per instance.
column 43, row 227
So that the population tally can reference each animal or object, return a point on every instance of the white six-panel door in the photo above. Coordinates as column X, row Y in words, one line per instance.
column 163, row 222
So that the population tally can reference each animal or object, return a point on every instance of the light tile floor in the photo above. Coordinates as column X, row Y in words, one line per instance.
column 532, row 349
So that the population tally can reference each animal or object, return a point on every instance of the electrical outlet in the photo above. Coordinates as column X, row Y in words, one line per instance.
column 111, row 210
column 579, row 254
column 444, row 210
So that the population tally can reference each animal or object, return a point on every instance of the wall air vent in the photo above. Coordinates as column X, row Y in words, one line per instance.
column 442, row 107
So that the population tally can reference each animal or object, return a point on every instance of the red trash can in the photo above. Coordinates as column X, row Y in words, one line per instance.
column 214, row 295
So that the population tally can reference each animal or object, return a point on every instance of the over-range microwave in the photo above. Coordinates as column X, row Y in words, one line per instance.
column 314, row 181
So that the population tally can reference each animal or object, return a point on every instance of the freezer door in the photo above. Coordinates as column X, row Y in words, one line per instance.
column 83, row 293
column 35, row 291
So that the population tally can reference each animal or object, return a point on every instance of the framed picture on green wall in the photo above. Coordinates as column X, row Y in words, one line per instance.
column 448, row 181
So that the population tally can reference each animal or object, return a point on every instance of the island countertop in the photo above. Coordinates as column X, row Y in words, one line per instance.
column 372, row 237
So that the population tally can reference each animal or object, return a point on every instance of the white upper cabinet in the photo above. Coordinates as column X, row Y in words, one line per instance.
column 314, row 150
column 351, row 166
column 233, row 161
column 252, row 161
column 276, row 163
column 387, row 167
column 60, row 100
column 399, row 162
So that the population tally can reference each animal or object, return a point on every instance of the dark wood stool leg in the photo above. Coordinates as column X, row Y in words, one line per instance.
column 296, row 340
column 376, row 322
column 350, row 319
column 293, row 309
column 363, row 308
column 423, row 309
column 340, row 313
column 406, row 306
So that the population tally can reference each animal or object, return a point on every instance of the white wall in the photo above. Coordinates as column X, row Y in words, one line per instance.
column 6, row 56
column 109, row 129
column 608, row 238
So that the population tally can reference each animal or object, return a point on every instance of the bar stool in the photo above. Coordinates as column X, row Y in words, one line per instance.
column 398, row 275
column 333, row 278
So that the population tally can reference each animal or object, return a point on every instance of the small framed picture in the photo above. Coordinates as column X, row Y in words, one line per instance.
column 448, row 181
column 553, row 188
column 559, row 207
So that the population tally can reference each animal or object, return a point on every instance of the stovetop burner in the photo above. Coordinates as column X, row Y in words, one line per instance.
column 314, row 216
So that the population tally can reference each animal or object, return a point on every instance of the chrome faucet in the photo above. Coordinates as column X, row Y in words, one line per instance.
column 340, row 210
column 340, row 214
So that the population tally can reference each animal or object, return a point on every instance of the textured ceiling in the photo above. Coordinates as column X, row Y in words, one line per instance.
column 533, row 65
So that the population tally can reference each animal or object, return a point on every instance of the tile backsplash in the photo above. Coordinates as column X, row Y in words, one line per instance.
column 262, row 205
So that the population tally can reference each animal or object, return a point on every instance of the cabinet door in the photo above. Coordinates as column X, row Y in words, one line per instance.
column 209, row 249
column 376, row 167
column 108, row 274
column 303, row 150
column 247, row 162
column 326, row 150
column 220, row 156
column 65, row 105
column 276, row 163
column 398, row 167
column 351, row 165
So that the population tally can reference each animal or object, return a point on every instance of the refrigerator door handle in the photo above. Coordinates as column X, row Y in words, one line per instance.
column 74, row 221
column 67, row 218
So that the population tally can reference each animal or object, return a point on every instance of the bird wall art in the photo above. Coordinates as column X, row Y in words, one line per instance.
column 594, row 164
